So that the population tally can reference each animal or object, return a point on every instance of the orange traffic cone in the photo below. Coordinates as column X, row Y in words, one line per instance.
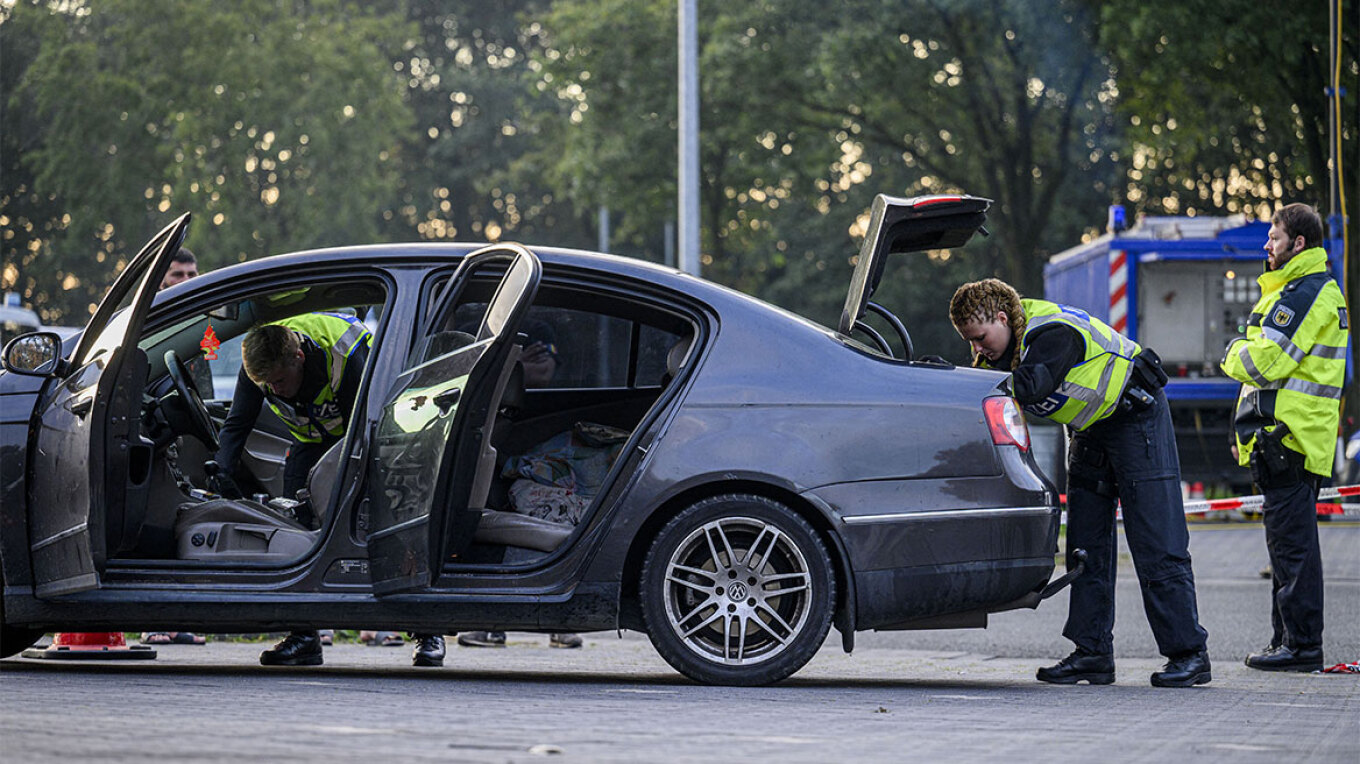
column 97, row 645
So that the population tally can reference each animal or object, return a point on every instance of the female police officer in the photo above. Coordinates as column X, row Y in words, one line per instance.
column 1075, row 370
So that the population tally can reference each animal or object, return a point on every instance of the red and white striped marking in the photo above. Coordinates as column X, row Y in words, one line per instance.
column 1255, row 502
column 1119, row 290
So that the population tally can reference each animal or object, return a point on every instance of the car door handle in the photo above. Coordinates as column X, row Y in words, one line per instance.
column 81, row 407
column 447, row 399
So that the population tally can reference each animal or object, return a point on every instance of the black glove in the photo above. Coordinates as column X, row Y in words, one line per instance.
column 220, row 483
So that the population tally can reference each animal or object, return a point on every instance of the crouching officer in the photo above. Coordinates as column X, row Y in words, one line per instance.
column 307, row 368
column 1075, row 370
column 1291, row 364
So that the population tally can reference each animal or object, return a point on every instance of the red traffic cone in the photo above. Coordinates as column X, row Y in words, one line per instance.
column 95, row 645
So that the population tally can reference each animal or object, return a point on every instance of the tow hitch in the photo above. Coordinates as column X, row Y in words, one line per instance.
column 1059, row 584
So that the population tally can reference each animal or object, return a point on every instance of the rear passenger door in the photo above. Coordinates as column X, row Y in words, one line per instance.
column 431, row 463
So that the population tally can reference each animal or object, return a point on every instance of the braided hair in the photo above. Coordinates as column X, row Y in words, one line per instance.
column 981, row 301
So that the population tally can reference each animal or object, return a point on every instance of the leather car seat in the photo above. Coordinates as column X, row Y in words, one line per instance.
column 244, row 530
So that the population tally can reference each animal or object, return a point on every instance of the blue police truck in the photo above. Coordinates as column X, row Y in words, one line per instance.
column 1185, row 287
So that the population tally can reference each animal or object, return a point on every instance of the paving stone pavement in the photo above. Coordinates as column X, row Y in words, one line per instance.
column 918, row 696
column 616, row 700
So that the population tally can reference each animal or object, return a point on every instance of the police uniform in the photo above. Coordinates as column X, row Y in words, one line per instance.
column 1292, row 365
column 1078, row 371
column 335, row 349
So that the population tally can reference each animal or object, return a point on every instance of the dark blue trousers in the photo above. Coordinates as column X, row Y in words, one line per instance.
column 1295, row 563
column 1131, row 458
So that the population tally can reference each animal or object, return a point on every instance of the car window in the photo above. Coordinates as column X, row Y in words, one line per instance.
column 586, row 349
column 224, row 365
column 209, row 340
column 593, row 351
column 224, row 369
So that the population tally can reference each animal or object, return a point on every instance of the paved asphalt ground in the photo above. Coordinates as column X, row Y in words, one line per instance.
column 904, row 696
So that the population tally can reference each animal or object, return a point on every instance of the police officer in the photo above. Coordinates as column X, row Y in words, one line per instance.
column 307, row 368
column 1075, row 370
column 1292, row 364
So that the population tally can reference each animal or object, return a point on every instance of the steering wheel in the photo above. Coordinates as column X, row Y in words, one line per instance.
column 201, row 425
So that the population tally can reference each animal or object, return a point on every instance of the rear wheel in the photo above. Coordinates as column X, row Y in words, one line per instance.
column 737, row 590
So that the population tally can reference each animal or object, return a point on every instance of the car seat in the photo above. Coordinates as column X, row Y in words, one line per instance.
column 675, row 359
column 243, row 530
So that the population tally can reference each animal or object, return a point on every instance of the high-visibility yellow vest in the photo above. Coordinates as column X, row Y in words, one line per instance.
column 1292, row 363
column 338, row 336
column 1090, row 391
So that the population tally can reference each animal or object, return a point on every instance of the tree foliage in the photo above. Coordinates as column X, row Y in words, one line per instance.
column 285, row 125
column 1232, row 120
column 466, row 71
column 807, row 111
column 274, row 123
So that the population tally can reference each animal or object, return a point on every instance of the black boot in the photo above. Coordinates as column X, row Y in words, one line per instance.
column 1077, row 667
column 1185, row 671
column 1285, row 658
column 301, row 648
column 429, row 650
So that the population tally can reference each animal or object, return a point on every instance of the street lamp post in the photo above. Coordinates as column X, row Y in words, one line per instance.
column 688, row 222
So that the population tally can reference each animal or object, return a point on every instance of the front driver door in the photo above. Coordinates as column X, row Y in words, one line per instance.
column 430, row 450
column 88, row 454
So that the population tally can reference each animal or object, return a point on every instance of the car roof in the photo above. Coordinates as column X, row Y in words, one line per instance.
column 431, row 254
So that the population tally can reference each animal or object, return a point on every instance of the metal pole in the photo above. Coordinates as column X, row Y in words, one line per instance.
column 1336, row 215
column 668, row 245
column 688, row 238
column 604, row 229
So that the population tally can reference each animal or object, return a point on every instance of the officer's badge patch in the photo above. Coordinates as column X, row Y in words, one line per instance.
column 1282, row 316
column 1048, row 405
column 1341, row 313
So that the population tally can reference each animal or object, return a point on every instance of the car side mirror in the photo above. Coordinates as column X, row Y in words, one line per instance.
column 37, row 354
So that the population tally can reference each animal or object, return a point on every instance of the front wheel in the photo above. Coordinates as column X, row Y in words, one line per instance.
column 737, row 590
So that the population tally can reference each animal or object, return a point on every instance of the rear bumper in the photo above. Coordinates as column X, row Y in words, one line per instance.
column 911, row 559
column 920, row 565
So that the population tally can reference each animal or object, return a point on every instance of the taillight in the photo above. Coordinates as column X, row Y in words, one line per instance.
column 1006, row 422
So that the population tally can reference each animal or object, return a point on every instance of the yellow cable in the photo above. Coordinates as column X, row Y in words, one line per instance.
column 1340, row 157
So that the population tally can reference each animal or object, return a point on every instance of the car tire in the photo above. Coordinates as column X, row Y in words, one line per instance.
column 737, row 590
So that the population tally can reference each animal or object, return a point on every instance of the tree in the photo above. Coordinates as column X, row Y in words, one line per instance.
column 807, row 111
column 991, row 97
column 273, row 122
column 27, row 216
column 468, row 70
column 1230, row 121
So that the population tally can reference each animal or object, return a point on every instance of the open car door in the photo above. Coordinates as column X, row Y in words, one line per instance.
column 89, row 460
column 432, row 459
column 907, row 225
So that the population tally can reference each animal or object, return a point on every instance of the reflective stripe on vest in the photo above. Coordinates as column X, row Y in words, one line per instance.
column 1092, row 388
